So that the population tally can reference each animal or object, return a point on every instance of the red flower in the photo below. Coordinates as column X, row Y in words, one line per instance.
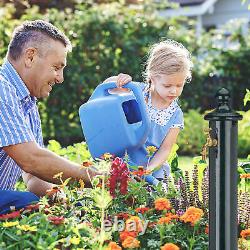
column 56, row 220
column 141, row 210
column 119, row 175
column 123, row 216
column 12, row 215
column 32, row 207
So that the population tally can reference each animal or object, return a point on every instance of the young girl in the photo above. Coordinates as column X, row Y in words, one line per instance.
column 168, row 68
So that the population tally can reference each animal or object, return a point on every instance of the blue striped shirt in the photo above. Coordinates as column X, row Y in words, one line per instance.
column 19, row 121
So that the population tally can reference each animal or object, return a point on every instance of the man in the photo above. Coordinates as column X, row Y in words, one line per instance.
column 35, row 62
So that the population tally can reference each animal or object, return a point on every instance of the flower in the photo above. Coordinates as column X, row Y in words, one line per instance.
column 141, row 210
column 56, row 220
column 125, row 234
column 86, row 164
column 245, row 176
column 107, row 156
column 119, row 175
column 245, row 233
column 81, row 182
column 75, row 240
column 52, row 191
column 134, row 223
column 207, row 230
column 10, row 224
column 27, row 228
column 170, row 246
column 32, row 207
column 131, row 242
column 113, row 246
column 12, row 215
column 167, row 218
column 58, row 176
column 162, row 204
column 192, row 215
column 123, row 215
column 151, row 150
column 140, row 172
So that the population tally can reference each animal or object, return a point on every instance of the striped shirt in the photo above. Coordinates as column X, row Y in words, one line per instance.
column 19, row 122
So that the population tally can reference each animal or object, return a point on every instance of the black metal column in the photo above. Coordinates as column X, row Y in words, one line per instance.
column 223, row 122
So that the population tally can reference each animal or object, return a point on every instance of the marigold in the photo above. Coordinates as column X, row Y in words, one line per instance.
column 113, row 246
column 167, row 218
column 134, row 220
column 245, row 233
column 162, row 204
column 170, row 246
column 131, row 242
column 126, row 234
column 192, row 215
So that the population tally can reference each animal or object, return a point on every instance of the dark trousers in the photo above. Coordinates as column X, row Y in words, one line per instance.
column 17, row 199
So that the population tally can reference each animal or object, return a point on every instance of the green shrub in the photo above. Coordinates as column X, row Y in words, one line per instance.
column 192, row 138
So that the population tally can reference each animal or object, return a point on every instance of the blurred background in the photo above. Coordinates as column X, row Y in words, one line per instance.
column 109, row 37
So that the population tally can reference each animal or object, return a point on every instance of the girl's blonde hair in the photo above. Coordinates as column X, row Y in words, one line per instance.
column 166, row 58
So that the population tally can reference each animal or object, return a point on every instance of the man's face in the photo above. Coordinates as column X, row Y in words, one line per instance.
column 47, row 69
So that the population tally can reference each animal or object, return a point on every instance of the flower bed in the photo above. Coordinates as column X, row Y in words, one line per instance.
column 120, row 212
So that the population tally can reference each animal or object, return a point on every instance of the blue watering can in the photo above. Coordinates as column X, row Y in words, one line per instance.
column 114, row 123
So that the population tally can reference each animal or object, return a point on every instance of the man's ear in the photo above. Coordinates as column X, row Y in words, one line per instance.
column 30, row 56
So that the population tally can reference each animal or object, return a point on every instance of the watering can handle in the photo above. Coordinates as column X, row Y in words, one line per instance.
column 102, row 90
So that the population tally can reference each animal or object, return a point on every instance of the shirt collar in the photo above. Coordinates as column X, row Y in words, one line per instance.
column 15, row 79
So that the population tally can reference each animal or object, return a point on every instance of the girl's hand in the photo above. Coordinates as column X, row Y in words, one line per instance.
column 123, row 79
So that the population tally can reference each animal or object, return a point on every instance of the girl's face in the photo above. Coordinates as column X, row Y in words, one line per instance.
column 168, row 87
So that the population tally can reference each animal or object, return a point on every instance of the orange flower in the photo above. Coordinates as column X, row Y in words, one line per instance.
column 86, row 164
column 170, row 246
column 52, row 191
column 134, row 220
column 131, row 242
column 126, row 234
column 113, row 246
column 107, row 156
column 245, row 233
column 151, row 150
column 245, row 176
column 141, row 210
column 192, row 215
column 167, row 219
column 162, row 204
column 140, row 172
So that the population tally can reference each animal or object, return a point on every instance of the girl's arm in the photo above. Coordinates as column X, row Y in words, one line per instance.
column 163, row 152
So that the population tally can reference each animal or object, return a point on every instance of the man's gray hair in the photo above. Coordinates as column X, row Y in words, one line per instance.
column 32, row 33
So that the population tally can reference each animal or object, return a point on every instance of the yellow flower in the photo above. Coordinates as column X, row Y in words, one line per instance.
column 75, row 240
column 81, row 182
column 27, row 228
column 151, row 150
column 107, row 156
column 59, row 175
column 10, row 224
